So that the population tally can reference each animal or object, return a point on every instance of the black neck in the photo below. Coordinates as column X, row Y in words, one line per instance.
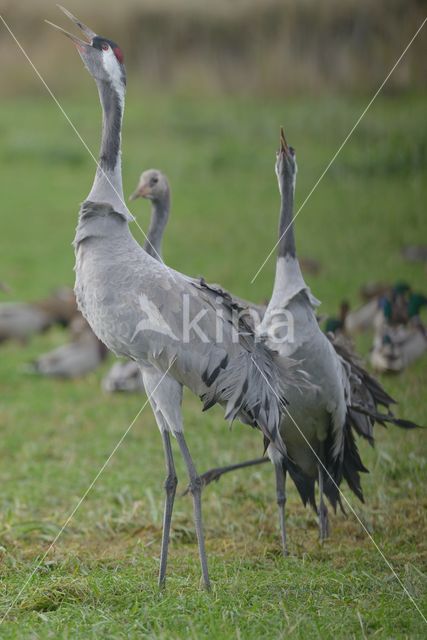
column 107, row 186
column 286, row 246
column 112, row 111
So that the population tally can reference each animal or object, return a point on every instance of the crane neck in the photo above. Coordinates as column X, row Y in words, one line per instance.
column 288, row 281
column 286, row 246
column 107, row 186
column 159, row 219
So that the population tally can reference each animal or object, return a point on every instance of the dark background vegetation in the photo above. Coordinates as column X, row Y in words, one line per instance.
column 257, row 47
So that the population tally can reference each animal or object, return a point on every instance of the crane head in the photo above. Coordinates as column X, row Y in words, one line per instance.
column 152, row 185
column 102, row 57
column 286, row 164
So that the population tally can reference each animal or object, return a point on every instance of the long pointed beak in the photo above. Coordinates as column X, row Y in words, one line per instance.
column 283, row 144
column 88, row 32
column 77, row 41
column 140, row 192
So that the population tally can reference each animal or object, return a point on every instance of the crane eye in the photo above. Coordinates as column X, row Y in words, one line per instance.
column 105, row 46
column 154, row 181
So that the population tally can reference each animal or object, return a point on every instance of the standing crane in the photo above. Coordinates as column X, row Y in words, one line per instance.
column 135, row 305
column 318, row 428
column 366, row 392
column 153, row 185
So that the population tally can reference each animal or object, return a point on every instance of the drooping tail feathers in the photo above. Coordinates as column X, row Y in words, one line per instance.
column 384, row 418
column 304, row 484
column 253, row 384
column 367, row 394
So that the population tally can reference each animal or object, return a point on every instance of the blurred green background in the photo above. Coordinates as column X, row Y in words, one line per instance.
column 254, row 47
column 209, row 85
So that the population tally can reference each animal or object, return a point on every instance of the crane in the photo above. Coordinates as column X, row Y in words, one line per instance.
column 135, row 303
column 153, row 185
column 367, row 393
column 319, row 426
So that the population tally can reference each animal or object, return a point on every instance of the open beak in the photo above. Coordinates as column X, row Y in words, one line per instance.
column 80, row 44
column 141, row 192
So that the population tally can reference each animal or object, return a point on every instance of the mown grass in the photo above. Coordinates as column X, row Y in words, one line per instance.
column 100, row 578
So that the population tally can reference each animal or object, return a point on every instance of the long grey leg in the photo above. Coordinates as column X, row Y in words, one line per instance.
column 170, row 488
column 216, row 473
column 323, row 511
column 196, row 492
column 281, row 502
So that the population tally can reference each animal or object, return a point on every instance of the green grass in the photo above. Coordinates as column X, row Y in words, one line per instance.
column 99, row 581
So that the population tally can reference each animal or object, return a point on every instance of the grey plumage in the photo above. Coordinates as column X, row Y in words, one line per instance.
column 363, row 391
column 313, row 428
column 135, row 304
column 347, row 399
column 154, row 186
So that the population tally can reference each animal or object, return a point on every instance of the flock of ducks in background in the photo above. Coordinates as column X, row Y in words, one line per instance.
column 393, row 314
column 331, row 398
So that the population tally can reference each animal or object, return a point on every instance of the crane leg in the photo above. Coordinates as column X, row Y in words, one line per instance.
column 281, row 502
column 196, row 492
column 323, row 511
column 213, row 475
column 170, row 489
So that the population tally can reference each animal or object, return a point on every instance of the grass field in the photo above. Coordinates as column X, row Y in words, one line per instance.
column 99, row 581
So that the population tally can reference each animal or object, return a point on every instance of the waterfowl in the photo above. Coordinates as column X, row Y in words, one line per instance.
column 83, row 354
column 22, row 320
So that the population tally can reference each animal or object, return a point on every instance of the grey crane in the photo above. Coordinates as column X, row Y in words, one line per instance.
column 366, row 392
column 135, row 305
column 318, row 429
column 152, row 185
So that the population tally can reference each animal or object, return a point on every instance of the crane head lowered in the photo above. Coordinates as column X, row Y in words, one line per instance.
column 286, row 165
column 102, row 57
column 152, row 185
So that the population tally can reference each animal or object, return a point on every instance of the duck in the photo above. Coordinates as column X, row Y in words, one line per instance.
column 401, row 338
column 20, row 321
column 82, row 355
